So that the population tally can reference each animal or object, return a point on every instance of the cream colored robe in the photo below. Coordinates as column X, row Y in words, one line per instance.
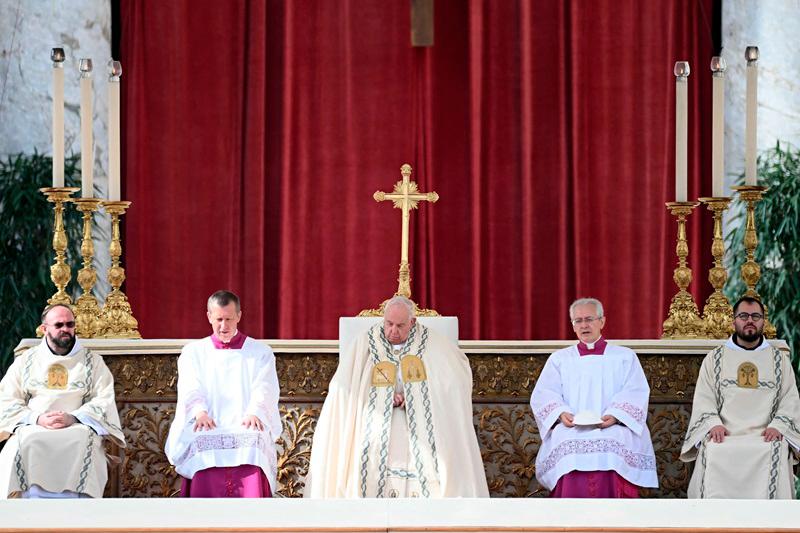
column 743, row 465
column 57, row 460
column 363, row 447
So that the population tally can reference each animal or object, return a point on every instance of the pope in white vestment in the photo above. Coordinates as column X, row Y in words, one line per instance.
column 744, row 430
column 397, row 420
column 590, row 405
column 56, row 409
column 226, row 418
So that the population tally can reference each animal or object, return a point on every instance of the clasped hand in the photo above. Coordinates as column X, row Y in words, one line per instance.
column 204, row 422
column 56, row 420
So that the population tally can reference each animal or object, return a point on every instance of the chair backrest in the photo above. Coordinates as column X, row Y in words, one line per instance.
column 350, row 327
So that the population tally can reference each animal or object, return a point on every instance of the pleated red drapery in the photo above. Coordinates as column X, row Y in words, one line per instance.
column 256, row 133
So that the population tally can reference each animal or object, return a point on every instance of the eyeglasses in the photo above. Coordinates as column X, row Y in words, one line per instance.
column 587, row 320
column 755, row 316
column 59, row 325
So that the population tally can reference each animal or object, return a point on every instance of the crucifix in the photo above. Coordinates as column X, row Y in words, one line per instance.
column 405, row 196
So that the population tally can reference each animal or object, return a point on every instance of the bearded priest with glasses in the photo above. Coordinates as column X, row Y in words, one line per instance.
column 56, row 407
column 590, row 404
column 744, row 431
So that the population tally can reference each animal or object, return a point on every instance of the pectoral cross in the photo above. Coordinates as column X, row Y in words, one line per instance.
column 405, row 196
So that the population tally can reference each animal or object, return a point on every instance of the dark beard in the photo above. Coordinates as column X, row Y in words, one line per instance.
column 64, row 344
column 749, row 337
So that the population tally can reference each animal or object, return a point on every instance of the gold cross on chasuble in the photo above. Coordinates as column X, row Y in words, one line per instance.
column 405, row 196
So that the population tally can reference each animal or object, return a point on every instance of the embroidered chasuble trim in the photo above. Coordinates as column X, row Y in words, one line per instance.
column 87, row 463
column 20, row 470
column 88, row 361
column 788, row 421
column 416, row 389
column 26, row 374
column 773, row 470
column 776, row 357
column 705, row 471
column 697, row 425
column 716, row 356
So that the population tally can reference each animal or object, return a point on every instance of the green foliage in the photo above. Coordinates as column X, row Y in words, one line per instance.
column 26, row 253
column 778, row 250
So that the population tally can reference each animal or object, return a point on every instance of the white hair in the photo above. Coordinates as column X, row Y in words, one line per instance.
column 399, row 300
column 587, row 301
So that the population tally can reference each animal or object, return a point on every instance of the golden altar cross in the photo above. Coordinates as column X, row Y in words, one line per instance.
column 405, row 196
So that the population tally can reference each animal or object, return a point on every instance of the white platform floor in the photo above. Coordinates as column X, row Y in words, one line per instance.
column 403, row 515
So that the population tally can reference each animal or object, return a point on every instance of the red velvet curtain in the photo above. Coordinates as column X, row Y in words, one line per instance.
column 256, row 133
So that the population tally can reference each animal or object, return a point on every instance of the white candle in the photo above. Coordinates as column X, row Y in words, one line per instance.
column 718, row 67
column 57, row 55
column 751, row 55
column 115, row 71
column 87, row 139
column 681, row 71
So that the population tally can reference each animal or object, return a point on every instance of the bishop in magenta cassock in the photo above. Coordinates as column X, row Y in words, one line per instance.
column 590, row 405
column 222, row 441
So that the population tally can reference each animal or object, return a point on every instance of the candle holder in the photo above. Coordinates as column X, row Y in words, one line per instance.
column 60, row 272
column 683, row 321
column 87, row 311
column 751, row 271
column 116, row 319
column 718, row 313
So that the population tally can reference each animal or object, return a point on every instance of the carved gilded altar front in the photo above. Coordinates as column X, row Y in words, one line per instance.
column 504, row 375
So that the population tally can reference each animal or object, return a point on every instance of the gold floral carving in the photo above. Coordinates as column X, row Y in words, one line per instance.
column 671, row 378
column 146, row 473
column 138, row 377
column 294, row 447
column 305, row 375
column 667, row 425
column 509, row 441
column 505, row 376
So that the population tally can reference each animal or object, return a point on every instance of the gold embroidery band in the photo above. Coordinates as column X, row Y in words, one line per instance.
column 747, row 375
column 412, row 368
column 57, row 377
column 384, row 374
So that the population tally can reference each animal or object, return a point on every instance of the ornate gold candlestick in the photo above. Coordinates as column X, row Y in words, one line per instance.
column 751, row 272
column 683, row 321
column 60, row 272
column 116, row 319
column 87, row 311
column 718, row 313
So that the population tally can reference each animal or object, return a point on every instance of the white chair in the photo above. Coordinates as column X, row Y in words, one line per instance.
column 350, row 327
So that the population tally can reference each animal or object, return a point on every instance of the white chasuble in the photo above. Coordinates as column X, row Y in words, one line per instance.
column 228, row 384
column 365, row 447
column 746, row 391
column 611, row 383
column 57, row 460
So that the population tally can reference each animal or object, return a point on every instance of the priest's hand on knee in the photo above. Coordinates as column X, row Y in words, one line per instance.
column 399, row 399
column 608, row 421
column 771, row 434
column 253, row 422
column 567, row 419
column 204, row 422
column 718, row 433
